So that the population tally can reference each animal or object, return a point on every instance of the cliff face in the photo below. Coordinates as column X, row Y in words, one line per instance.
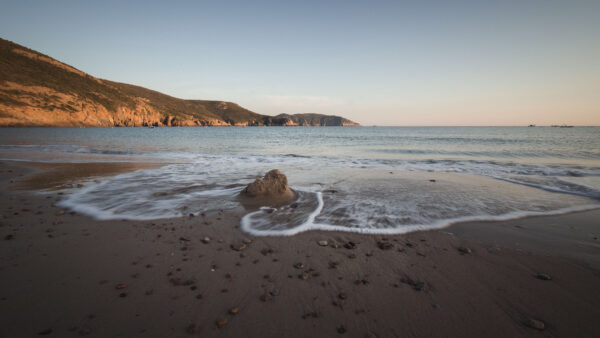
column 36, row 90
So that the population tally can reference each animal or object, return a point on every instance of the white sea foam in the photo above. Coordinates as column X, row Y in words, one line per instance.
column 366, row 200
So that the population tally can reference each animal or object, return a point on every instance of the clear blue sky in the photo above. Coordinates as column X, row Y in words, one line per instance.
column 376, row 62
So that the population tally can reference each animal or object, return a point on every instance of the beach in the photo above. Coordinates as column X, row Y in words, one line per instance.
column 65, row 274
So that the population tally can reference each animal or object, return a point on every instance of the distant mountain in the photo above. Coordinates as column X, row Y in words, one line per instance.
column 37, row 90
column 314, row 120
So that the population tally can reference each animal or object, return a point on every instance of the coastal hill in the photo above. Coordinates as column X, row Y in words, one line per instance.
column 37, row 90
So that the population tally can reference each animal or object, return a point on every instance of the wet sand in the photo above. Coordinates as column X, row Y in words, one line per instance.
column 64, row 274
column 57, row 176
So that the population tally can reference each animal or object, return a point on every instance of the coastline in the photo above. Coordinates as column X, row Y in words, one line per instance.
column 60, row 272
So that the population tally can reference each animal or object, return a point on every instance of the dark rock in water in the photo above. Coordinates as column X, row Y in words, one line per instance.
column 384, row 245
column 272, row 189
column 543, row 276
column 535, row 324
column 433, row 181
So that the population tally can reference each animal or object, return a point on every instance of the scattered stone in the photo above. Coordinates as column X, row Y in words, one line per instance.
column 303, row 276
column 149, row 292
column 299, row 265
column 384, row 245
column 193, row 328
column 330, row 191
column 199, row 296
column 431, row 180
column 238, row 247
column 419, row 286
column 535, row 324
column 543, row 276
column 178, row 282
column 221, row 322
column 247, row 241
column 464, row 250
column 120, row 286
column 266, row 297
column 229, row 276
column 323, row 243
column 9, row 237
column 123, row 294
column 60, row 213
column 341, row 329
column 342, row 296
column 311, row 314
column 234, row 311
column 206, row 240
column 183, row 239
column 45, row 332
column 267, row 251
column 350, row 245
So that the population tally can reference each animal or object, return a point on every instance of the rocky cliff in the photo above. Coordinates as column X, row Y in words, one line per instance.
column 37, row 90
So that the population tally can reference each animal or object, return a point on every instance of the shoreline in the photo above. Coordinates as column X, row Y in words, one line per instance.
column 49, row 176
column 73, row 275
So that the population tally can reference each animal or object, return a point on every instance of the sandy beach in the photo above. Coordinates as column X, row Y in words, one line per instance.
column 63, row 274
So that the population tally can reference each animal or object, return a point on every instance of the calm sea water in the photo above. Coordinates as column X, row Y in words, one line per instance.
column 367, row 179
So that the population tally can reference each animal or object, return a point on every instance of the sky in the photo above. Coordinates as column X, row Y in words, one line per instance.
column 375, row 62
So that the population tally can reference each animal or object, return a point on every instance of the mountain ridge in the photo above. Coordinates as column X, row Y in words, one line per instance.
column 38, row 90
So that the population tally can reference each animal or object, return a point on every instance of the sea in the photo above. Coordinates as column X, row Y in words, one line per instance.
column 377, row 180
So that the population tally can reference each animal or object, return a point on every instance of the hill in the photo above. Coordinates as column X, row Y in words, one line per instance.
column 37, row 90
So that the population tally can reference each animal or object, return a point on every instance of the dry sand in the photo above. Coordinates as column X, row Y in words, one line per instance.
column 64, row 274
